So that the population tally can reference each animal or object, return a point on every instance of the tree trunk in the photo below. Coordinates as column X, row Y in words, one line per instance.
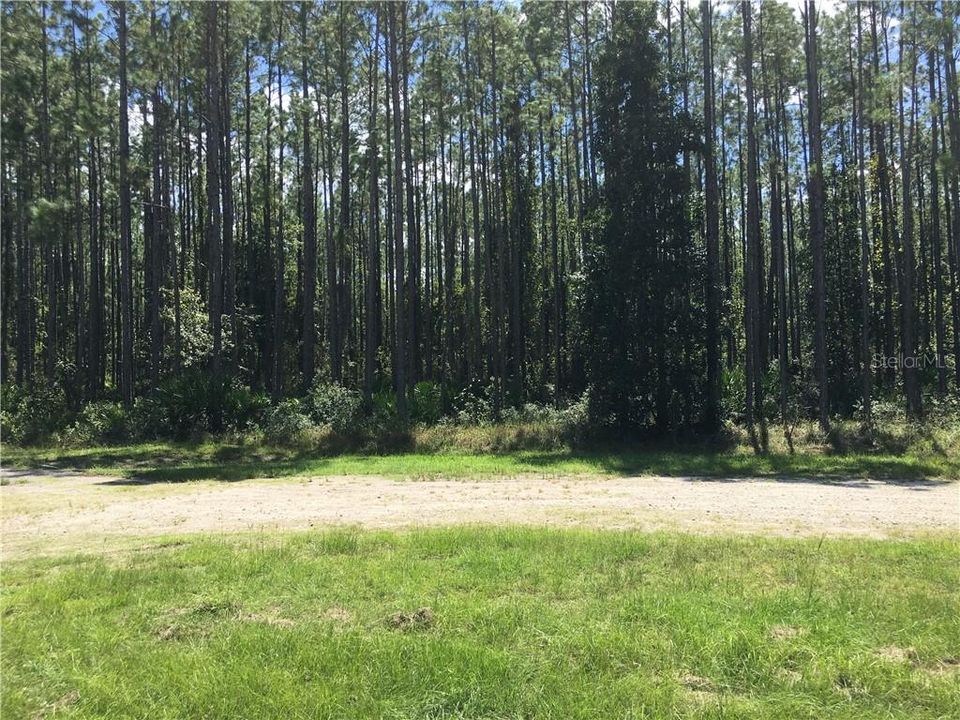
column 309, row 220
column 279, row 259
column 815, row 192
column 372, row 284
column 400, row 372
column 953, row 119
column 212, row 227
column 126, row 243
column 754, row 372
column 413, row 235
column 859, row 121
column 229, row 263
column 712, row 408
column 935, row 239
column 911, row 380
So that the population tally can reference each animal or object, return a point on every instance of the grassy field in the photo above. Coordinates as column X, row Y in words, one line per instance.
column 498, row 623
column 905, row 453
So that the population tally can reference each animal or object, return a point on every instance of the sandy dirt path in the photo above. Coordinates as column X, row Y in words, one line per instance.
column 55, row 512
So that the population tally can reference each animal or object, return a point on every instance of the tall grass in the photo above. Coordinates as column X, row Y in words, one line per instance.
column 899, row 451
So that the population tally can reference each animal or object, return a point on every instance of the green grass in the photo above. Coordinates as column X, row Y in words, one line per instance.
column 172, row 462
column 897, row 451
column 523, row 623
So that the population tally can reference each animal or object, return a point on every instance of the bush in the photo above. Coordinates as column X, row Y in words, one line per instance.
column 384, row 426
column 242, row 407
column 100, row 421
column 334, row 405
column 147, row 419
column 31, row 417
column 566, row 425
column 575, row 419
column 427, row 406
column 286, row 422
column 186, row 405
column 472, row 408
column 181, row 405
column 531, row 413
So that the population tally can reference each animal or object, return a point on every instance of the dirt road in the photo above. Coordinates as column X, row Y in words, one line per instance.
column 55, row 512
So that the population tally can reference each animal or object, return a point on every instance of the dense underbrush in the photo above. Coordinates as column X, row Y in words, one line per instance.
column 191, row 407
column 333, row 419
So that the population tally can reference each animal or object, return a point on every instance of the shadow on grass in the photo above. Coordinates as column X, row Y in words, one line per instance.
column 851, row 471
column 224, row 472
column 848, row 456
column 127, row 456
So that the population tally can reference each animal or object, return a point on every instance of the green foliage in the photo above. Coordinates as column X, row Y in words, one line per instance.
column 472, row 407
column 189, row 403
column 334, row 405
column 382, row 429
column 195, row 337
column 385, row 403
column 100, row 421
column 559, row 234
column 241, row 407
column 427, row 405
column 186, row 402
column 570, row 421
column 893, row 448
column 148, row 421
column 286, row 422
column 30, row 417
column 642, row 274
column 733, row 384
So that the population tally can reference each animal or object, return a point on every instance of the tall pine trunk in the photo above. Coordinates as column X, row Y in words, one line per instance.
column 712, row 410
column 400, row 371
column 212, row 226
column 309, row 330
column 754, row 371
column 815, row 191
column 908, row 339
column 372, row 281
column 126, row 241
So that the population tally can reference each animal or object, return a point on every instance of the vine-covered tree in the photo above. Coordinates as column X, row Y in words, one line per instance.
column 638, row 267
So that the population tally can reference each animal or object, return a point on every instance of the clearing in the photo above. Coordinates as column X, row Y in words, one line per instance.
column 486, row 622
column 134, row 597
column 53, row 511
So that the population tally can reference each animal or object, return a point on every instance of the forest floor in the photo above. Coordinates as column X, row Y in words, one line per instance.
column 50, row 511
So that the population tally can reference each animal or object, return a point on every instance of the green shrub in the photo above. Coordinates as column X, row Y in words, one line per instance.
column 195, row 338
column 531, row 413
column 334, row 405
column 242, row 407
column 30, row 417
column 427, row 405
column 472, row 407
column 286, row 422
column 100, row 421
column 146, row 419
column 187, row 404
column 552, row 425
column 575, row 419
column 384, row 416
column 182, row 405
